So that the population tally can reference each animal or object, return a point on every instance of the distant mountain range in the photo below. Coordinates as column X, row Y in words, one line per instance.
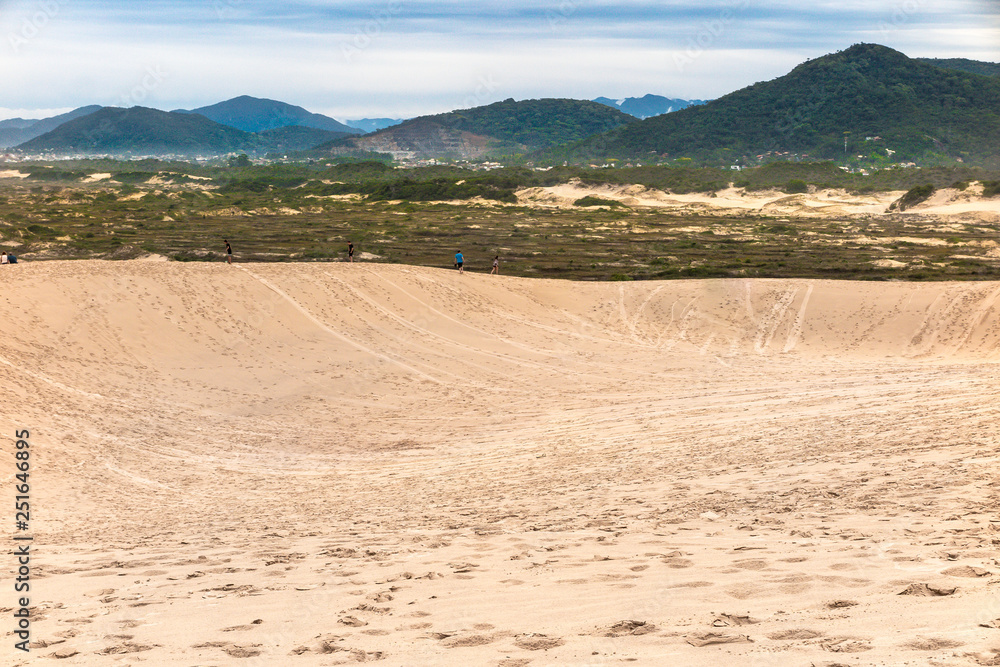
column 879, row 100
column 373, row 124
column 144, row 131
column 873, row 96
column 648, row 106
column 253, row 114
column 16, row 131
column 501, row 128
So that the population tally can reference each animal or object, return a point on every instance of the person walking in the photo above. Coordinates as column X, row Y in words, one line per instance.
column 229, row 252
column 350, row 252
column 496, row 266
column 460, row 261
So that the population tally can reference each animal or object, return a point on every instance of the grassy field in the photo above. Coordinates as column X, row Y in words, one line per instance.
column 186, row 221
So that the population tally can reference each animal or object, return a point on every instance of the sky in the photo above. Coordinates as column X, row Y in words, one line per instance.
column 404, row 58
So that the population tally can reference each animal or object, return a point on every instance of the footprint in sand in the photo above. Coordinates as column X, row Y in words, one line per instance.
column 843, row 566
column 734, row 620
column 627, row 628
column 692, row 584
column 64, row 653
column 928, row 590
column 840, row 604
column 800, row 633
column 847, row 645
column 352, row 621
column 242, row 628
column 746, row 591
column 327, row 644
column 536, row 642
column 967, row 571
column 126, row 647
column 932, row 644
column 751, row 564
column 709, row 638
column 472, row 640
column 232, row 650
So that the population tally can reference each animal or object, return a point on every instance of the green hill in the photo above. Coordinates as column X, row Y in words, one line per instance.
column 874, row 96
column 253, row 114
column 140, row 131
column 501, row 128
column 964, row 65
column 535, row 123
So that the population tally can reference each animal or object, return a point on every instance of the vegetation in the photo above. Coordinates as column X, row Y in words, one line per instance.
column 590, row 200
column 913, row 196
column 530, row 122
column 964, row 65
column 504, row 128
column 866, row 99
column 795, row 186
column 308, row 212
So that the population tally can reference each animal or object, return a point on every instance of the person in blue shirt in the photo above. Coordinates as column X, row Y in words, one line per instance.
column 459, row 261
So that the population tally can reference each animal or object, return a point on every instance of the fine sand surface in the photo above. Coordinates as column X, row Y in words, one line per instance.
column 326, row 464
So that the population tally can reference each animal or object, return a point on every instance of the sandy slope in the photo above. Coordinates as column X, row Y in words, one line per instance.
column 327, row 463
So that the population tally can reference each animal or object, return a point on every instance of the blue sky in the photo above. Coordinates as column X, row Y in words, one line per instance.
column 403, row 58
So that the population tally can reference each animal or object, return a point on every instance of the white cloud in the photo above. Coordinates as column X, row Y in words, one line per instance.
column 407, row 57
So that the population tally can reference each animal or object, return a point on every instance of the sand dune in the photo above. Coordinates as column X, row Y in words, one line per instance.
column 947, row 203
column 324, row 464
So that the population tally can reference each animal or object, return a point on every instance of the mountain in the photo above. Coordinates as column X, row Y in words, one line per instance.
column 291, row 138
column 141, row 131
column 17, row 123
column 501, row 128
column 647, row 106
column 252, row 114
column 18, row 130
column 874, row 96
column 373, row 124
column 964, row 65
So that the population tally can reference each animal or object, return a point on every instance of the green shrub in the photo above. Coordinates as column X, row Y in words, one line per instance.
column 795, row 186
column 590, row 200
column 42, row 231
column 913, row 196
